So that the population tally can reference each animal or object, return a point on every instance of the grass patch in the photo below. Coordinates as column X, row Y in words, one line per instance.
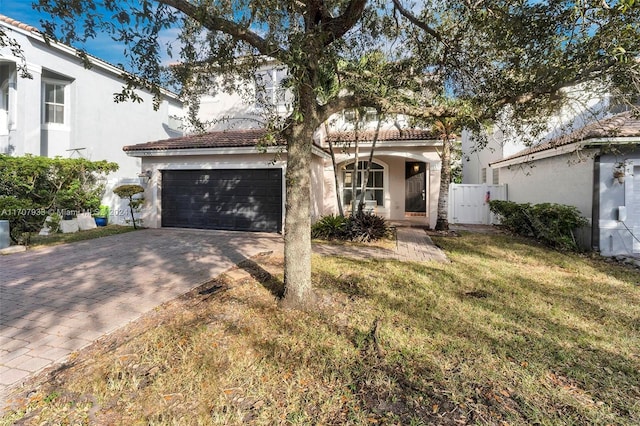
column 507, row 333
column 59, row 238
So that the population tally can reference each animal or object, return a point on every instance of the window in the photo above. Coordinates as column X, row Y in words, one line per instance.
column 54, row 106
column 375, row 185
column 496, row 176
column 7, row 88
column 4, row 108
column 367, row 116
column 269, row 90
column 483, row 175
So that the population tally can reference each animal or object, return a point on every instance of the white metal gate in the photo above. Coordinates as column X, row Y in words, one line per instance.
column 470, row 203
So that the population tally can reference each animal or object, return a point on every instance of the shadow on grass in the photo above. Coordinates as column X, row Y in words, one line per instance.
column 273, row 284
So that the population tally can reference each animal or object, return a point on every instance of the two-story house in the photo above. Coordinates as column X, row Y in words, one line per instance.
column 64, row 109
column 221, row 179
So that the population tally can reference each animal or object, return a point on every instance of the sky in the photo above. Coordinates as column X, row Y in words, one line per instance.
column 102, row 47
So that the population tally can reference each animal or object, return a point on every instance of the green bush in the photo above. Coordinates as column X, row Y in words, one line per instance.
column 33, row 187
column 330, row 228
column 362, row 227
column 553, row 224
column 365, row 227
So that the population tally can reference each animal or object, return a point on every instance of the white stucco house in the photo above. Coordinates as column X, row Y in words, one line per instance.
column 221, row 179
column 596, row 169
column 67, row 110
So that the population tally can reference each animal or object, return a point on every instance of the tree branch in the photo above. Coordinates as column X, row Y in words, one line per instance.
column 385, row 105
column 417, row 22
column 584, row 76
column 214, row 23
column 337, row 27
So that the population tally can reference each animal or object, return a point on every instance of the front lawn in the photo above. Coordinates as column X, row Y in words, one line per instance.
column 507, row 333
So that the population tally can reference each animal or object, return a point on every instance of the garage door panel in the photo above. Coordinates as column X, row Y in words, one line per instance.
column 231, row 199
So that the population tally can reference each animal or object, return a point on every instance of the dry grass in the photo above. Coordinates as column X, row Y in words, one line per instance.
column 508, row 333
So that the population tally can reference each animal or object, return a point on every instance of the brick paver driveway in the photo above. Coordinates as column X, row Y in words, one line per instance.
column 56, row 300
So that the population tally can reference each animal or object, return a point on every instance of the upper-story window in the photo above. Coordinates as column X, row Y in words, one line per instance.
column 366, row 115
column 269, row 90
column 54, row 102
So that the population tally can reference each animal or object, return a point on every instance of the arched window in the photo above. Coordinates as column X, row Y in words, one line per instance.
column 375, row 184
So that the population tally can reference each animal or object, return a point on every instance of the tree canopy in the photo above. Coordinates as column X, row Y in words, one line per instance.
column 433, row 60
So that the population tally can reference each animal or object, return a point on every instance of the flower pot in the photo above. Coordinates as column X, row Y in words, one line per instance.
column 101, row 221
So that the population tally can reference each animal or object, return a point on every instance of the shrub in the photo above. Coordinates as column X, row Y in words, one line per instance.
column 365, row 227
column 128, row 192
column 330, row 228
column 552, row 224
column 362, row 227
column 32, row 187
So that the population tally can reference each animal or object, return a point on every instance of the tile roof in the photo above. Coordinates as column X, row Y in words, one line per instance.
column 17, row 24
column 626, row 124
column 217, row 139
column 385, row 135
column 238, row 138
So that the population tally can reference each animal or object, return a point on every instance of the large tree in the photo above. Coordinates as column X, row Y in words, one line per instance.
column 515, row 60
column 466, row 60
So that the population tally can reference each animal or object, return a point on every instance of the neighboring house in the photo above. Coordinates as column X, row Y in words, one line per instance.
column 596, row 169
column 223, row 180
column 584, row 105
column 67, row 110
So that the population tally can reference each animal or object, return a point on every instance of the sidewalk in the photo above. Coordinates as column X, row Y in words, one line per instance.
column 412, row 245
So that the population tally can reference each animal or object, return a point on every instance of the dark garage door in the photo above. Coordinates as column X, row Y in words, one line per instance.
column 235, row 199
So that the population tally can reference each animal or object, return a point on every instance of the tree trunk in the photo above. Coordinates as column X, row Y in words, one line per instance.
column 335, row 171
column 442, row 221
column 354, row 174
column 365, row 178
column 298, row 292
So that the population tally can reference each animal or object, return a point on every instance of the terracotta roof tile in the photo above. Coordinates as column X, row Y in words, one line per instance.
column 217, row 139
column 17, row 24
column 385, row 135
column 622, row 125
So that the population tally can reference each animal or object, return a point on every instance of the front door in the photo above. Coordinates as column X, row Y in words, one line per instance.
column 415, row 187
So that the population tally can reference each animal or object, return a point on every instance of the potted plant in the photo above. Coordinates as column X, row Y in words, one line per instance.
column 102, row 217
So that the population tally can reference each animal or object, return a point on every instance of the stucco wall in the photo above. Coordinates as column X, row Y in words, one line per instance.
column 393, row 159
column 559, row 179
column 94, row 121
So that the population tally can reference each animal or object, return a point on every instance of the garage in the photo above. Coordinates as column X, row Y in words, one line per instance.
column 228, row 199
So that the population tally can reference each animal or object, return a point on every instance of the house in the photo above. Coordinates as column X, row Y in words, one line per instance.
column 64, row 109
column 222, row 179
column 596, row 169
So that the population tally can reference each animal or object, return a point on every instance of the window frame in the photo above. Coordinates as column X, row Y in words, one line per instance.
column 5, row 107
column 65, row 104
column 269, row 92
column 380, row 169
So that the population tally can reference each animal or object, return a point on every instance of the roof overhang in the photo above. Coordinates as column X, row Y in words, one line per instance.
column 565, row 149
column 61, row 47
column 251, row 150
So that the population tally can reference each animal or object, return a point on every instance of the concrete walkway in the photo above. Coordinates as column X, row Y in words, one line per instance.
column 57, row 300
column 412, row 245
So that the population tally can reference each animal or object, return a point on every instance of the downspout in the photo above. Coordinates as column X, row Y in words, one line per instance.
column 595, row 207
